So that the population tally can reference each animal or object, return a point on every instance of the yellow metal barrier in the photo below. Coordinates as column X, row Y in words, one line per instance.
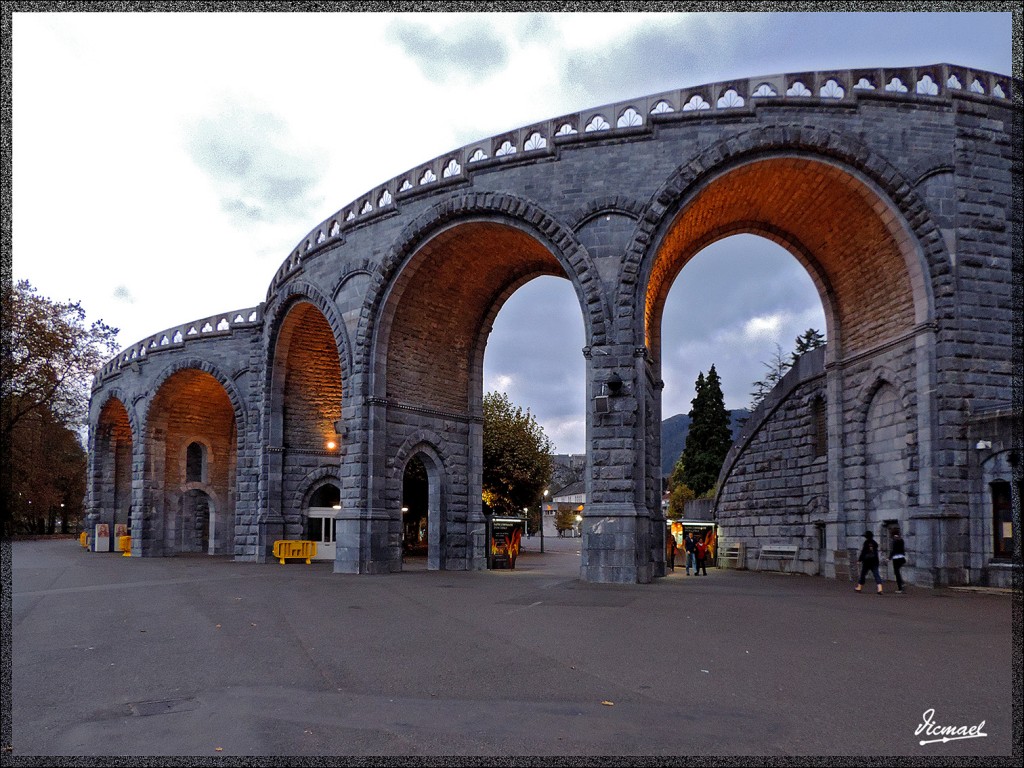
column 284, row 548
column 83, row 539
column 125, row 543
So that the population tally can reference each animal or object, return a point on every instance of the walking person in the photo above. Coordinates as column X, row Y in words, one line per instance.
column 690, row 545
column 701, row 550
column 898, row 556
column 869, row 561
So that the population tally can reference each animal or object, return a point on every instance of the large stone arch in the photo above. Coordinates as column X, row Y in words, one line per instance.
column 238, row 403
column 307, row 362
column 285, row 299
column 873, row 252
column 192, row 400
column 503, row 209
column 926, row 259
column 423, row 332
column 113, row 439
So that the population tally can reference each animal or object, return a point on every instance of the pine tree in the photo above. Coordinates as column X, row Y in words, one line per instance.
column 776, row 369
column 806, row 341
column 709, row 438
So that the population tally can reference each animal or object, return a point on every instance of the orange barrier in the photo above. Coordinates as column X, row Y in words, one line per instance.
column 83, row 539
column 305, row 550
column 124, row 543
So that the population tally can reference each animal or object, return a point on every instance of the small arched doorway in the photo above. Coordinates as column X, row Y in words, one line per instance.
column 320, row 524
column 188, row 530
column 422, row 525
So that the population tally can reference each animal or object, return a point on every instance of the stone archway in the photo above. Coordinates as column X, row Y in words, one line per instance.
column 303, row 421
column 111, row 471
column 190, row 407
column 867, row 266
column 433, row 324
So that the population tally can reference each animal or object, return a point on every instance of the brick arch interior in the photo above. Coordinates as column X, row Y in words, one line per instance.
column 191, row 405
column 439, row 312
column 306, row 381
column 112, row 465
column 838, row 227
column 305, row 408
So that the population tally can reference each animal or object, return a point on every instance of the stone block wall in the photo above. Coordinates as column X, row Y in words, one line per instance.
column 774, row 486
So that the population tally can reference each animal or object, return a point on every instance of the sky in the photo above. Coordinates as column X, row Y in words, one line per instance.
column 165, row 164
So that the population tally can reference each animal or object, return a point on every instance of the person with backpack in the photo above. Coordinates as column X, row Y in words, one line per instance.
column 869, row 561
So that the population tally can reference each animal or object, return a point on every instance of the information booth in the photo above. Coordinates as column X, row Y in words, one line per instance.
column 321, row 528
column 706, row 530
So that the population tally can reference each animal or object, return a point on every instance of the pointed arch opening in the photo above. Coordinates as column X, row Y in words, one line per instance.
column 191, row 466
column 112, row 466
column 306, row 430
column 434, row 329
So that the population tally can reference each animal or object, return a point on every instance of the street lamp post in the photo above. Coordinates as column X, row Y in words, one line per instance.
column 542, row 511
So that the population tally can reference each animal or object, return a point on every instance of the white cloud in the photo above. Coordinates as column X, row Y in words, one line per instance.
column 764, row 327
column 500, row 383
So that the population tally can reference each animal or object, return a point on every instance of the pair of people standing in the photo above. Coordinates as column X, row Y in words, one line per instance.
column 696, row 555
column 869, row 560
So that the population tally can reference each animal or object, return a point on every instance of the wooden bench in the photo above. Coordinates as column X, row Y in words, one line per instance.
column 781, row 551
column 734, row 556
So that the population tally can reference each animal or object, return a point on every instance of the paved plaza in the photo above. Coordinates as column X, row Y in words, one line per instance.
column 203, row 656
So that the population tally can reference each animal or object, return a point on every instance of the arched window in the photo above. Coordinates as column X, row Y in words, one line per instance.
column 195, row 463
column 326, row 496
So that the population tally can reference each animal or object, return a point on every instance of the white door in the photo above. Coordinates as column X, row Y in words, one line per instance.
column 321, row 528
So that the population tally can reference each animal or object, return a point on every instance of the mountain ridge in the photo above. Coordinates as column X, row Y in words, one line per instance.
column 674, row 430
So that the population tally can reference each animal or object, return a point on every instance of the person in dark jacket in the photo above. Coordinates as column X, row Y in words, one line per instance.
column 869, row 561
column 898, row 556
column 690, row 546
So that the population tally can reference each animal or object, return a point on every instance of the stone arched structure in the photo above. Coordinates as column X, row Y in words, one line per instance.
column 368, row 349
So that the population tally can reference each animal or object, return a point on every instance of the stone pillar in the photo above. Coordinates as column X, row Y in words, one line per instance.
column 476, row 522
column 362, row 543
column 616, row 546
column 367, row 540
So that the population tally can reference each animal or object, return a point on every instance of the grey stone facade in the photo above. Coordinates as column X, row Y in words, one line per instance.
column 892, row 187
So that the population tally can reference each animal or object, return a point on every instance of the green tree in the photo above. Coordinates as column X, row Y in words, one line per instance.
column 805, row 342
column 679, row 491
column 709, row 438
column 49, row 358
column 777, row 367
column 50, row 354
column 565, row 520
column 517, row 456
column 47, row 475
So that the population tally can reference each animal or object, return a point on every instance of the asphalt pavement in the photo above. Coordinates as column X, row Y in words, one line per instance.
column 203, row 656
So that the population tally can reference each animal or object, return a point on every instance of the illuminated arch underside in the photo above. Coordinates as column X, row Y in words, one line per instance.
column 460, row 278
column 832, row 222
